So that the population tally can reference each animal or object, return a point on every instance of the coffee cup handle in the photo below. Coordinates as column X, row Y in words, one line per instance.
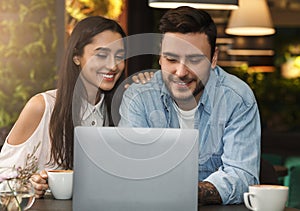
column 247, row 201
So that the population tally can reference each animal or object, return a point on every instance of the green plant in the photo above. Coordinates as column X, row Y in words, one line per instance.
column 28, row 45
column 278, row 99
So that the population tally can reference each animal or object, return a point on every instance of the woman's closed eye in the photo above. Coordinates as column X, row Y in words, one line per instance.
column 102, row 55
column 119, row 57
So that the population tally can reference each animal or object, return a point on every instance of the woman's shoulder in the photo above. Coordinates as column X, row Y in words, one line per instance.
column 43, row 101
column 28, row 120
column 50, row 97
column 51, row 93
column 36, row 105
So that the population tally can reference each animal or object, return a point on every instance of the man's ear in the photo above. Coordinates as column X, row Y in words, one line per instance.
column 76, row 60
column 159, row 61
column 215, row 58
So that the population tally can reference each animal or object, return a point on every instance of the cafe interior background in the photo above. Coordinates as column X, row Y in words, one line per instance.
column 33, row 34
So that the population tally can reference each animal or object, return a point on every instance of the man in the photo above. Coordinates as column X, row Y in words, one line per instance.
column 191, row 91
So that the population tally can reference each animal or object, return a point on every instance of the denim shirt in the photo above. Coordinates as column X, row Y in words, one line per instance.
column 228, row 122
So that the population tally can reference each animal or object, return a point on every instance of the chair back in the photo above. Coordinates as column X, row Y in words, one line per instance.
column 267, row 173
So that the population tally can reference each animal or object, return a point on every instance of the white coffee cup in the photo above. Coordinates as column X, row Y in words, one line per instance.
column 266, row 197
column 61, row 183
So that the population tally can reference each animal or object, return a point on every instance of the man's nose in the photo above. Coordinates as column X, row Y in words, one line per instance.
column 181, row 70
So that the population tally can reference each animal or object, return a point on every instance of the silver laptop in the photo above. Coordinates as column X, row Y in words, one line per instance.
column 135, row 169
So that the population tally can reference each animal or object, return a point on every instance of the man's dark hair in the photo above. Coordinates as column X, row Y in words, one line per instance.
column 188, row 20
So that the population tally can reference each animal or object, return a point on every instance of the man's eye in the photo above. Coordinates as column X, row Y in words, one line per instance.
column 171, row 59
column 196, row 59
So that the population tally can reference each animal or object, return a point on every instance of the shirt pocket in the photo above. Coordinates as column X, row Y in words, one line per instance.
column 211, row 141
column 157, row 118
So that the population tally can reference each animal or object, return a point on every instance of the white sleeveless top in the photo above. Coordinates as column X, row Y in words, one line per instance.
column 15, row 154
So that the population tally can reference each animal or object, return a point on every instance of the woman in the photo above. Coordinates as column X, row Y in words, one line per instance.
column 93, row 64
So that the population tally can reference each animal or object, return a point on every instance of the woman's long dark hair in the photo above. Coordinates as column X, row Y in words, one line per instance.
column 61, row 128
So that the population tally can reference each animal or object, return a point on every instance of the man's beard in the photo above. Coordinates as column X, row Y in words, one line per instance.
column 190, row 94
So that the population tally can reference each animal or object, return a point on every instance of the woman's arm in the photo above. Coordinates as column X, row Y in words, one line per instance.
column 23, row 129
column 28, row 120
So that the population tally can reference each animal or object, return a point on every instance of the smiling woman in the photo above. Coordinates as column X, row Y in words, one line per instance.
column 92, row 68
column 103, row 62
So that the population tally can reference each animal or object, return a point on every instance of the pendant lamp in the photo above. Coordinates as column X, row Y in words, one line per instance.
column 200, row 4
column 253, row 18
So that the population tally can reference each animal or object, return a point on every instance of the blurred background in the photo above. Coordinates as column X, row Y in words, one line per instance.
column 33, row 34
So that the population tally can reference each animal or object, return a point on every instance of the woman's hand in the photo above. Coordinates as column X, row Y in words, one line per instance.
column 40, row 183
column 142, row 78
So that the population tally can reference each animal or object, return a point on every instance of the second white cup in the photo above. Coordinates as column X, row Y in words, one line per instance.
column 61, row 183
column 266, row 197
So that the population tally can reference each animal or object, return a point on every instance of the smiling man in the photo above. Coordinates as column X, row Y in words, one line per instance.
column 191, row 91
column 185, row 68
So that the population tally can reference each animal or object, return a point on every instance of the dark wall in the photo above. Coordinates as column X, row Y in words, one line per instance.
column 141, row 19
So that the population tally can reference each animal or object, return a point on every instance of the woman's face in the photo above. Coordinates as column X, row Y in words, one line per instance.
column 102, row 62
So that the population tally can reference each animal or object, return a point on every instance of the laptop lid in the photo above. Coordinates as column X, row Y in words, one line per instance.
column 135, row 169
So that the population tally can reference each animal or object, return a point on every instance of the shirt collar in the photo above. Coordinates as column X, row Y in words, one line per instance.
column 208, row 96
column 88, row 109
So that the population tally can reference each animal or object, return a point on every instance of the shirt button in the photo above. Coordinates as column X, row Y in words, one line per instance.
column 93, row 123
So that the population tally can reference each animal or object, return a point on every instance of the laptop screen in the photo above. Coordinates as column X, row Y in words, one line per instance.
column 135, row 168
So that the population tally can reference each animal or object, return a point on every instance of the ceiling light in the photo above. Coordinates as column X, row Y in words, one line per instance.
column 261, row 69
column 253, row 18
column 250, row 52
column 199, row 4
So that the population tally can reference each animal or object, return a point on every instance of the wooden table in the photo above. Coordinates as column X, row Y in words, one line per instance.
column 50, row 204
